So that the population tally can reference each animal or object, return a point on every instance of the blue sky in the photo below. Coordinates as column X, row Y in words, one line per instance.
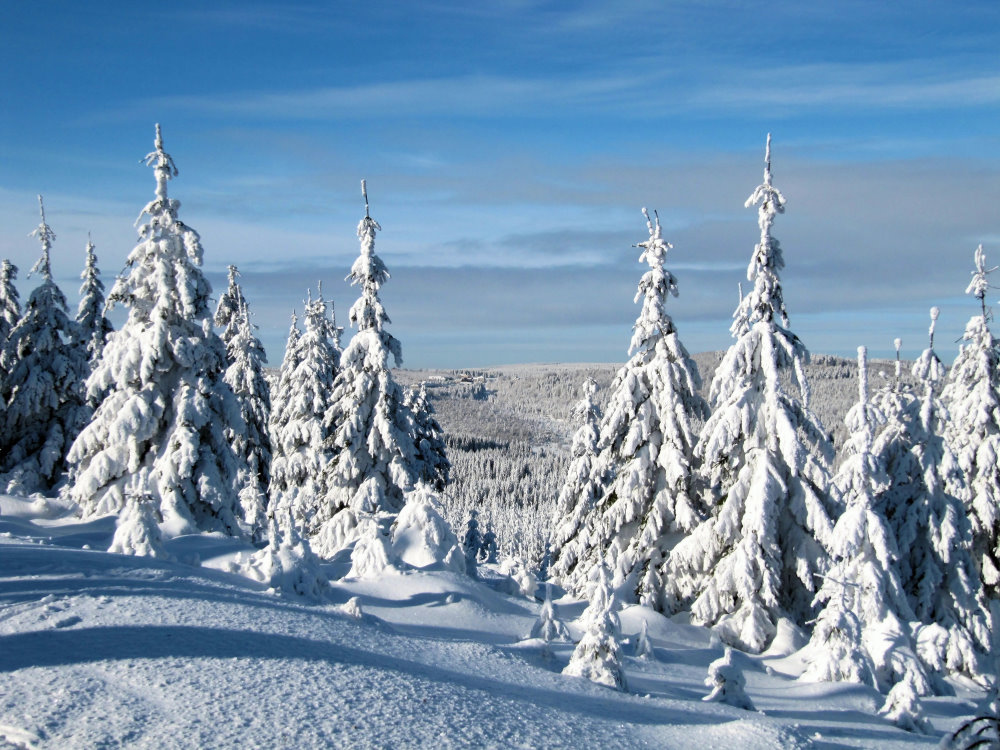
column 509, row 148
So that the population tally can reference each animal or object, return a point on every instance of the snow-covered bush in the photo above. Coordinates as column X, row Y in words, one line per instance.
column 903, row 708
column 136, row 530
column 287, row 564
column 421, row 538
column 728, row 683
column 548, row 627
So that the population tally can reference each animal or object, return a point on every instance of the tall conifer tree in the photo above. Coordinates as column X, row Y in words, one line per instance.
column 374, row 457
column 972, row 396
column 161, row 428
column 766, row 458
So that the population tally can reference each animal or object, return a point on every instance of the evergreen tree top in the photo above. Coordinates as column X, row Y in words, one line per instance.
column 8, row 271
column 370, row 273
column 928, row 367
column 980, row 283
column 164, row 169
column 765, row 301
column 653, row 324
column 46, row 236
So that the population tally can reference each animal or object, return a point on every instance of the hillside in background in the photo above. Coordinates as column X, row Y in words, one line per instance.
column 508, row 432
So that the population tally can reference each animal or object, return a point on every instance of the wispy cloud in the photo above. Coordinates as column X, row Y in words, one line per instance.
column 914, row 85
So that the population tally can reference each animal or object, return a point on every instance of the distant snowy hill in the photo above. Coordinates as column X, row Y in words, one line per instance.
column 508, row 430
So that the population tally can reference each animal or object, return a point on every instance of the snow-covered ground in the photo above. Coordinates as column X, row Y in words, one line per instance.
column 105, row 650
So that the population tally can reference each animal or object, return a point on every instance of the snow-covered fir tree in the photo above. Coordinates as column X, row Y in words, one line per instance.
column 598, row 656
column 43, row 386
column 548, row 627
column 428, row 439
column 926, row 508
column 370, row 425
column 161, row 428
column 766, row 459
column 645, row 465
column 252, row 443
column 10, row 301
column 94, row 326
column 578, row 497
column 862, row 635
column 298, row 433
column 972, row 396
column 229, row 305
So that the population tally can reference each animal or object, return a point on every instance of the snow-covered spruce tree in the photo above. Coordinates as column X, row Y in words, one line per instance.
column 282, row 412
column 972, row 396
column 161, row 428
column 298, row 434
column 368, row 420
column 245, row 375
column 766, row 459
column 94, row 327
column 252, row 444
column 10, row 314
column 548, row 627
column 598, row 656
column 229, row 305
column 935, row 538
column 579, row 494
column 862, row 635
column 43, row 386
column 10, row 301
column 472, row 543
column 428, row 439
column 645, row 464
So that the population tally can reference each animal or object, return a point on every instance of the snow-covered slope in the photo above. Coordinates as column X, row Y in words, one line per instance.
column 104, row 650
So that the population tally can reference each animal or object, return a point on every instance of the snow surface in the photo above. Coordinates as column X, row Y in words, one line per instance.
column 100, row 649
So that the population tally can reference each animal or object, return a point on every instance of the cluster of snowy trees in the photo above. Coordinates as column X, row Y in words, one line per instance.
column 734, row 509
column 170, row 423
column 45, row 358
column 890, row 562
